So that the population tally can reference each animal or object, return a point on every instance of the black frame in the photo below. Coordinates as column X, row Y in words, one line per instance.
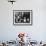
column 24, row 24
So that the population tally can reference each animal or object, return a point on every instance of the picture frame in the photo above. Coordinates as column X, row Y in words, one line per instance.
column 22, row 17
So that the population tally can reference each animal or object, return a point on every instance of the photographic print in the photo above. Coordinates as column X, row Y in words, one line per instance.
column 22, row 17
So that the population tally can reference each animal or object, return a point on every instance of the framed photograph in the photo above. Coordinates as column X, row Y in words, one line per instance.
column 22, row 17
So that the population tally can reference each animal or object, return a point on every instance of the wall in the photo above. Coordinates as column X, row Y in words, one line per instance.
column 37, row 31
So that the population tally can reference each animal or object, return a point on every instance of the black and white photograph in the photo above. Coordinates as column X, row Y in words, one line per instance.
column 22, row 17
